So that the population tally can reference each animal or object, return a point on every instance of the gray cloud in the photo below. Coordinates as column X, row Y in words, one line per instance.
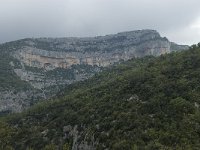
column 175, row 19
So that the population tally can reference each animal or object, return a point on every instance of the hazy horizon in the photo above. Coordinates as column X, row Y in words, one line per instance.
column 177, row 20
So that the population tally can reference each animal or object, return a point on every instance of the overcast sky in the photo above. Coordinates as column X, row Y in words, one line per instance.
column 178, row 20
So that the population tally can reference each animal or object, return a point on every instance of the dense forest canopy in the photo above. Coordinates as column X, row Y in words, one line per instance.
column 149, row 103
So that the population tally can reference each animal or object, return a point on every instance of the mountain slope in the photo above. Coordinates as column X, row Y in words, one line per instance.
column 15, row 94
column 149, row 103
column 34, row 69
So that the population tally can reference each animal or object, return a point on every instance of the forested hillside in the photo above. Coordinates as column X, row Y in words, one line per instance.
column 36, row 69
column 148, row 103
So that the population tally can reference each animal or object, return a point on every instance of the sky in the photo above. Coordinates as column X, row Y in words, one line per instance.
column 178, row 20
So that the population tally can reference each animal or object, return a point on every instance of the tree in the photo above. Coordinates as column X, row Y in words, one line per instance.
column 198, row 44
column 6, row 134
column 66, row 146
column 181, row 106
column 50, row 147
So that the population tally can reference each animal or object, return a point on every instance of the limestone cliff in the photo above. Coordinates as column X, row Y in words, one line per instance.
column 100, row 51
column 47, row 64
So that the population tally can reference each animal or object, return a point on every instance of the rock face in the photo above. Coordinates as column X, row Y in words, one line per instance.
column 16, row 101
column 100, row 51
column 49, row 63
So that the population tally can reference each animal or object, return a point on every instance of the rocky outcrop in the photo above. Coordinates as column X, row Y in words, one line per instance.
column 52, row 59
column 12, row 101
column 38, row 80
column 99, row 51
column 79, row 143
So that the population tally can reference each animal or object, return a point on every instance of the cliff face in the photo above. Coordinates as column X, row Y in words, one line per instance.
column 49, row 63
column 99, row 51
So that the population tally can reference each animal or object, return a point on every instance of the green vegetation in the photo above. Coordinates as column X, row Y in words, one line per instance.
column 149, row 103
column 70, row 73
column 8, row 79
